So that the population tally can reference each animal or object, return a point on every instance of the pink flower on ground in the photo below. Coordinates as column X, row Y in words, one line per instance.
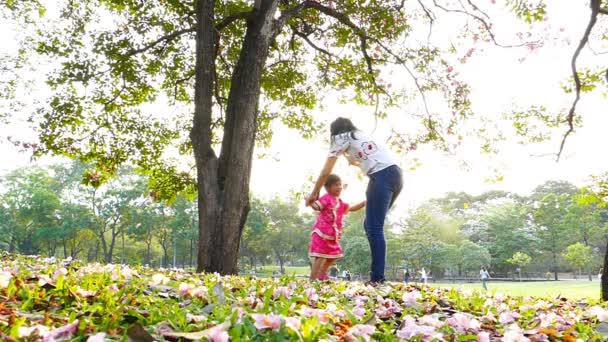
column 284, row 291
column 43, row 280
column 267, row 322
column 359, row 312
column 60, row 271
column 159, row 279
column 24, row 332
column 99, row 337
column 514, row 334
column 411, row 298
column 312, row 296
column 462, row 323
column 410, row 329
column 599, row 312
column 195, row 318
column 483, row 337
column 62, row 333
column 358, row 331
column 113, row 288
column 84, row 293
column 431, row 320
column 5, row 279
column 218, row 333
column 293, row 323
column 508, row 317
column 489, row 318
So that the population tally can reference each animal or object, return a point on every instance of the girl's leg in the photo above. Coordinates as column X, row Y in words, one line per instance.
column 326, row 265
column 315, row 272
column 383, row 188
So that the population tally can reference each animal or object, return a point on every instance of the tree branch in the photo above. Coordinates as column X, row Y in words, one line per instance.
column 166, row 38
column 232, row 18
column 479, row 19
column 313, row 45
column 595, row 10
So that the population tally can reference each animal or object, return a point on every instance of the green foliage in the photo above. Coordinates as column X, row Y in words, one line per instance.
column 122, row 302
column 520, row 259
column 529, row 11
column 578, row 255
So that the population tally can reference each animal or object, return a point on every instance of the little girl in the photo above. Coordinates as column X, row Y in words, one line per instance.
column 326, row 232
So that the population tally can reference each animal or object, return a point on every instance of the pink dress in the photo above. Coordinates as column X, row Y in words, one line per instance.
column 327, row 230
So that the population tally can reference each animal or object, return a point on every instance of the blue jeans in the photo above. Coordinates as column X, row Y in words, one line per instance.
column 383, row 188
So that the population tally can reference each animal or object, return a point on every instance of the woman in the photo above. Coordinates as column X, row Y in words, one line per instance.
column 385, row 183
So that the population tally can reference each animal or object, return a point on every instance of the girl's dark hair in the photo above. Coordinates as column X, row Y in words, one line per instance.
column 342, row 125
column 331, row 180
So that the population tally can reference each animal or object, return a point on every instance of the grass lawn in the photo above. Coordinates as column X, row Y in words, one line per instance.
column 568, row 289
column 295, row 270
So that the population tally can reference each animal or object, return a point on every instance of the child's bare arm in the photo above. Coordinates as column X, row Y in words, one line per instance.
column 357, row 206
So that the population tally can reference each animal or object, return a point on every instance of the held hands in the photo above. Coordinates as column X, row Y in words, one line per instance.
column 310, row 200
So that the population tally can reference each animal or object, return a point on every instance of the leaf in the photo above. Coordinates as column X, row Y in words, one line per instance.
column 218, row 292
column 198, row 335
column 602, row 328
column 137, row 333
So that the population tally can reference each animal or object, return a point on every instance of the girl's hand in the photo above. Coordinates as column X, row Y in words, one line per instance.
column 311, row 199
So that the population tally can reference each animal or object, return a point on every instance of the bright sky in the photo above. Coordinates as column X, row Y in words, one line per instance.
column 498, row 80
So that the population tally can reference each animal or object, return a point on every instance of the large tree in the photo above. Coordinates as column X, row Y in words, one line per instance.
column 241, row 64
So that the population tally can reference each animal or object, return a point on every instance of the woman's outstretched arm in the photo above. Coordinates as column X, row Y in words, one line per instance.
column 325, row 172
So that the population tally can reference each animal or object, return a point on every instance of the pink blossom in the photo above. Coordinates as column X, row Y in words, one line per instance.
column 411, row 298
column 312, row 295
column 267, row 321
column 218, row 333
column 410, row 329
column 195, row 318
column 62, row 333
column 99, row 337
column 24, row 332
column 488, row 318
column 293, row 323
column 43, row 280
column 508, row 317
column 362, row 331
column 514, row 334
column 599, row 312
column 431, row 320
column 450, row 69
column 84, row 293
column 493, row 2
column 462, row 323
column 159, row 279
column 60, row 271
column 359, row 312
column 282, row 291
column 483, row 336
column 5, row 279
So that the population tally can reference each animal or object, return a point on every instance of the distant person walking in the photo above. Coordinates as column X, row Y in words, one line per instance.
column 423, row 276
column 484, row 276
column 406, row 276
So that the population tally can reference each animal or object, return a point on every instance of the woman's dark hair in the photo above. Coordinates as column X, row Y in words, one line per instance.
column 331, row 180
column 342, row 125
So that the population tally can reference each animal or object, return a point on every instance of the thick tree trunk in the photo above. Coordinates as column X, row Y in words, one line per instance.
column 223, row 183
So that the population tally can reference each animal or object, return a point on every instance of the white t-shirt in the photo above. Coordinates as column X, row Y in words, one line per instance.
column 483, row 274
column 362, row 151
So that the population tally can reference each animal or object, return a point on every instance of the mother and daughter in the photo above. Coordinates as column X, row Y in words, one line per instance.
column 385, row 183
